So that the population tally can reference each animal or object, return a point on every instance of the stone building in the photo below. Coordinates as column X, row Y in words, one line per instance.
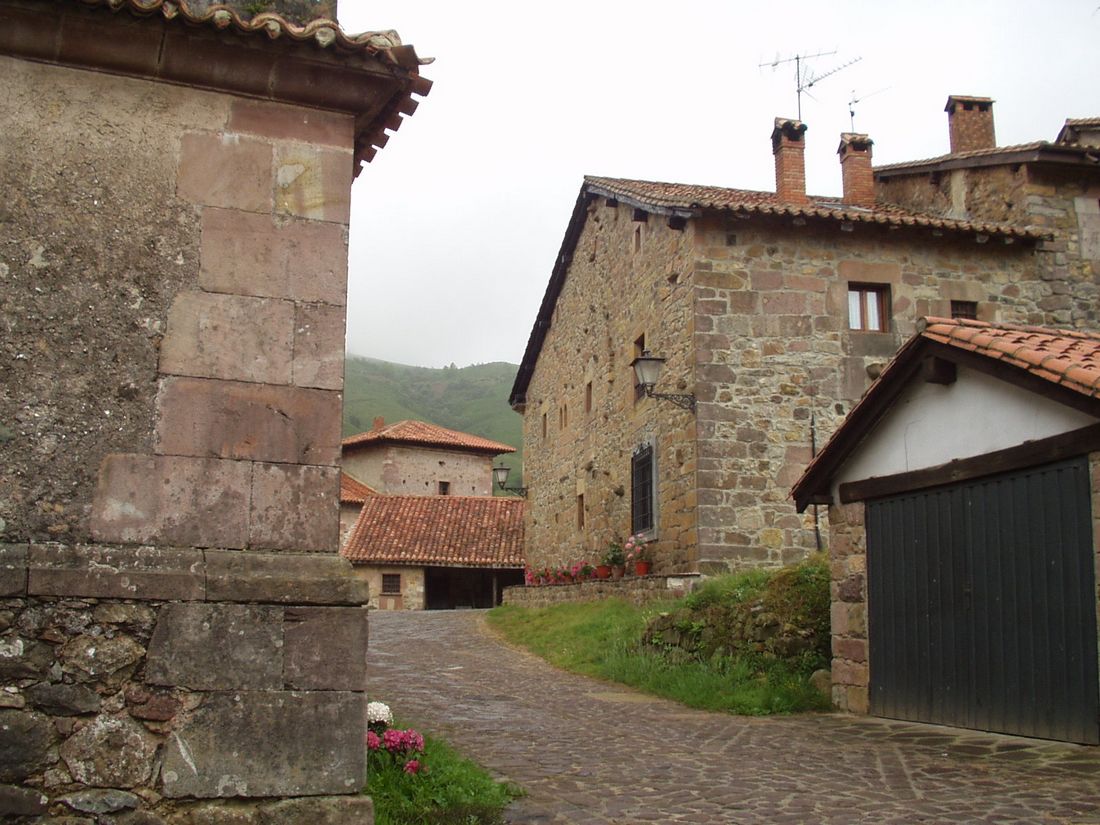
column 437, row 552
column 421, row 459
column 775, row 310
column 172, row 593
column 353, row 495
column 964, row 494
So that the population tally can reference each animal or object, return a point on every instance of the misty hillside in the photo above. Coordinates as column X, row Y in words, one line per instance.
column 472, row 399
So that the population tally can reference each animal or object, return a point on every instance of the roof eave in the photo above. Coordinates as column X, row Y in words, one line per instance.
column 1049, row 154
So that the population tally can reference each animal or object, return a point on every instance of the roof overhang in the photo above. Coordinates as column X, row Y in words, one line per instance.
column 372, row 77
column 1047, row 153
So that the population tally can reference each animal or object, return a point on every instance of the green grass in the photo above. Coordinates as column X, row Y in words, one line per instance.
column 601, row 639
column 453, row 791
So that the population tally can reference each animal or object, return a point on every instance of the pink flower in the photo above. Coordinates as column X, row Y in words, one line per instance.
column 373, row 742
column 412, row 766
column 414, row 741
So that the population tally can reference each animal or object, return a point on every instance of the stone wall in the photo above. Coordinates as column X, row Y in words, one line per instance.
column 412, row 587
column 174, row 267
column 405, row 470
column 132, row 680
column 848, row 589
column 628, row 278
column 634, row 589
column 774, row 355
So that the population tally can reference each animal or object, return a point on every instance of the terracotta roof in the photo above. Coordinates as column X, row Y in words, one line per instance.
column 1083, row 121
column 690, row 199
column 1068, row 361
column 322, row 32
column 438, row 531
column 1038, row 150
column 428, row 435
column 353, row 491
column 1066, row 357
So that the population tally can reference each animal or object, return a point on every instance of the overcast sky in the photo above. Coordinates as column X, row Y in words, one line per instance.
column 456, row 223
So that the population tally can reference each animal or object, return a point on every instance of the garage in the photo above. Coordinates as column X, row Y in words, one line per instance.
column 963, row 495
column 981, row 605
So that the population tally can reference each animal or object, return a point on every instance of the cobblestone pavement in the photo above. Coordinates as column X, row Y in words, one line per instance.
column 593, row 752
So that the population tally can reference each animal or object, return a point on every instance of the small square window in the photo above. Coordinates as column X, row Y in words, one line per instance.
column 967, row 310
column 868, row 307
column 391, row 584
column 444, row 488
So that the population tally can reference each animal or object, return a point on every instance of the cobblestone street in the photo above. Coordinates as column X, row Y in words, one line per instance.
column 593, row 752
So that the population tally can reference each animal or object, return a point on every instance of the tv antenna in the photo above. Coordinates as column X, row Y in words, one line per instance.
column 854, row 100
column 803, row 77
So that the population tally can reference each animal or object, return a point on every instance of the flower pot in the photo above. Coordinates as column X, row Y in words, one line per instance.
column 617, row 571
column 603, row 571
column 642, row 568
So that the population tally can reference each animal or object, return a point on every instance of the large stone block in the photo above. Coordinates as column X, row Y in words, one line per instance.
column 319, row 347
column 98, row 571
column 13, row 569
column 22, row 658
column 21, row 801
column 313, row 183
column 197, row 502
column 25, row 742
column 295, row 508
column 326, row 648
column 282, row 579
column 228, row 419
column 295, row 123
column 225, row 170
column 110, row 752
column 217, row 647
column 319, row 810
column 266, row 743
column 248, row 254
column 229, row 336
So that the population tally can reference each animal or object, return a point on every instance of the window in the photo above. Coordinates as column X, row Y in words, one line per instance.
column 588, row 397
column 391, row 584
column 580, row 512
column 867, row 307
column 642, row 504
column 964, row 309
column 639, row 348
column 444, row 488
column 544, row 425
column 563, row 416
column 637, row 239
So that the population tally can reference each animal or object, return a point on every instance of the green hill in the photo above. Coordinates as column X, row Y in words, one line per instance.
column 472, row 399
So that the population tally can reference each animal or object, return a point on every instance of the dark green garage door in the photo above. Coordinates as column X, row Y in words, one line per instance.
column 982, row 605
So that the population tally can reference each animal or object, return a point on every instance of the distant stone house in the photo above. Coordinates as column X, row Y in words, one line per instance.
column 437, row 552
column 964, row 494
column 421, row 459
column 353, row 495
column 774, row 310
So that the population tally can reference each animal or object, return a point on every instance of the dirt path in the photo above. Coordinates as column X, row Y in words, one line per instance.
column 592, row 752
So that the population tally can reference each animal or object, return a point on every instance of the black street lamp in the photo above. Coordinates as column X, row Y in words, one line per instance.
column 647, row 369
column 500, row 476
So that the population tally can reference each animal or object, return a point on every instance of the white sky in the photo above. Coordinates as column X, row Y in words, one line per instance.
column 456, row 223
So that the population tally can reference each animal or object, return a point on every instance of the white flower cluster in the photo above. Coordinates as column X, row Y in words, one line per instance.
column 379, row 712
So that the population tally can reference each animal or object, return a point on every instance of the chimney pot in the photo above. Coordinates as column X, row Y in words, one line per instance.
column 970, row 123
column 855, row 169
column 789, row 148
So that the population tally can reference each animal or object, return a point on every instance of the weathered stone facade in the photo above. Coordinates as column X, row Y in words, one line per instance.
column 175, row 622
column 405, row 470
column 411, row 595
column 748, row 300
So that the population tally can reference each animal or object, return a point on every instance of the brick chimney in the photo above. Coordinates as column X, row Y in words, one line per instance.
column 855, row 169
column 378, row 424
column 970, row 123
column 789, row 149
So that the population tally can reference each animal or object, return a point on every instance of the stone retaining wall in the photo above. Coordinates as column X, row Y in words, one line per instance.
column 142, row 681
column 636, row 589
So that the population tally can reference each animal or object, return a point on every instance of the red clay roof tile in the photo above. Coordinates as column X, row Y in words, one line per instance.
column 438, row 531
column 429, row 435
column 353, row 491
column 685, row 196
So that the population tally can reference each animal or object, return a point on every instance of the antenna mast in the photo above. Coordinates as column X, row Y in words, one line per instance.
column 804, row 79
column 854, row 100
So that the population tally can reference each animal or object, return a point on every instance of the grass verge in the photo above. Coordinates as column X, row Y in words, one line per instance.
column 602, row 639
column 452, row 791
